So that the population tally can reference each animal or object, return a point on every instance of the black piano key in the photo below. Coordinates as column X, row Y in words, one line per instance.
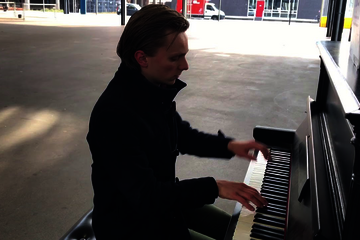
column 277, row 170
column 273, row 154
column 279, row 153
column 278, row 175
column 279, row 156
column 273, row 166
column 273, row 174
column 268, row 232
column 269, row 179
column 270, row 167
column 271, row 212
column 273, row 180
column 273, row 218
column 278, row 206
column 270, row 191
column 271, row 222
column 275, row 162
column 264, row 236
column 280, row 161
column 278, row 166
column 270, row 228
column 275, row 200
column 274, row 192
column 275, row 186
column 265, row 194
column 276, row 178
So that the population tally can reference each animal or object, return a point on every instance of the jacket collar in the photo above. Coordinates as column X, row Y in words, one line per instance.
column 144, row 89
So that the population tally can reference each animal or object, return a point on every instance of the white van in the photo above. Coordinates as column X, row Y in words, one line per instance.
column 212, row 12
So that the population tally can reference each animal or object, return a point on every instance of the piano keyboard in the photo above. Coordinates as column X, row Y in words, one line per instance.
column 271, row 179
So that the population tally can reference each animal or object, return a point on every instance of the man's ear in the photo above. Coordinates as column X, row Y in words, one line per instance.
column 140, row 57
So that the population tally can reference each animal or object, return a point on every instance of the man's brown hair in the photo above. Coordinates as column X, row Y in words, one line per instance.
column 147, row 30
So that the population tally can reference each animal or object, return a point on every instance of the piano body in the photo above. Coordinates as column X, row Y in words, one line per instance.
column 312, row 182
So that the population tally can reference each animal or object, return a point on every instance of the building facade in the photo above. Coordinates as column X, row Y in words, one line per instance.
column 274, row 9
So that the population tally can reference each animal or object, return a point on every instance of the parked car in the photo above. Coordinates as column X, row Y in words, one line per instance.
column 131, row 8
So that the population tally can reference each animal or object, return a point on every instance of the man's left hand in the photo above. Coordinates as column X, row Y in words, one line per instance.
column 242, row 148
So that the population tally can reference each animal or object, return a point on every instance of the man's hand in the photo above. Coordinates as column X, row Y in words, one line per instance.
column 241, row 193
column 241, row 149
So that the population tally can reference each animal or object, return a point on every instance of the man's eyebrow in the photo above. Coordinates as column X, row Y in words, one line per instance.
column 179, row 53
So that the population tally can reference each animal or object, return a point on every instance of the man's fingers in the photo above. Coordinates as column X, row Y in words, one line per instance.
column 256, row 198
column 246, row 203
column 250, row 157
column 262, row 148
column 250, row 194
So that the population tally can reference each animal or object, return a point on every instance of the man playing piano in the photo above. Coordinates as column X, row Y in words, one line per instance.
column 135, row 135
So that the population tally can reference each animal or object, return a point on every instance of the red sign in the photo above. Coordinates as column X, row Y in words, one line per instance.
column 260, row 5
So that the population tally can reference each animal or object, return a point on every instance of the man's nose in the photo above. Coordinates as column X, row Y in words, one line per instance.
column 184, row 65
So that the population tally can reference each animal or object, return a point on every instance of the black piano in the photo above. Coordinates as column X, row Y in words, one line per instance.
column 312, row 181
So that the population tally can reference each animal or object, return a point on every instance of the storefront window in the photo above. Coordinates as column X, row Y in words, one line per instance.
column 276, row 8
column 252, row 8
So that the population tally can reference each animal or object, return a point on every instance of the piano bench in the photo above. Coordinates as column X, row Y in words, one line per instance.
column 82, row 230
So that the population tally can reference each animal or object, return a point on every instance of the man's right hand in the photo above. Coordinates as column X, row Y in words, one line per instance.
column 241, row 193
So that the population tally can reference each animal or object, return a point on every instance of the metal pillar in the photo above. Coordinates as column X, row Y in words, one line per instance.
column 219, row 10
column 339, row 24
column 184, row 8
column 291, row 4
column 123, row 12
column 83, row 6
column 66, row 6
column 330, row 14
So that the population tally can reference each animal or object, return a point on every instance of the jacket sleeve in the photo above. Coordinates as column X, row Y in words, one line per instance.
column 120, row 165
column 195, row 142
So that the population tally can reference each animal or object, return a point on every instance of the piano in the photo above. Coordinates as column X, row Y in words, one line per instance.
column 312, row 182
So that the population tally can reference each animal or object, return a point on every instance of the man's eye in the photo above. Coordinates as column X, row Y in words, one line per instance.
column 174, row 59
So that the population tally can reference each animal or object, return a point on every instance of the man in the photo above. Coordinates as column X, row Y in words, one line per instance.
column 136, row 134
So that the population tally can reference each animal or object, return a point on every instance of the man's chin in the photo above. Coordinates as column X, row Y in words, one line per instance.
column 171, row 82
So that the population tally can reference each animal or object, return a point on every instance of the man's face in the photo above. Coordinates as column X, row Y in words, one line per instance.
column 169, row 61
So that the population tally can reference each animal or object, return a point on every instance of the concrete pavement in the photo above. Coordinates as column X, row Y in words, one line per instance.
column 242, row 74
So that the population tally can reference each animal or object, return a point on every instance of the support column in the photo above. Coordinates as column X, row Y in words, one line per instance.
column 123, row 12
column 184, row 8
column 27, row 5
column 83, row 6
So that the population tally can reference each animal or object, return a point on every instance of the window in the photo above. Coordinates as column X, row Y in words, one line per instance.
column 209, row 7
column 276, row 8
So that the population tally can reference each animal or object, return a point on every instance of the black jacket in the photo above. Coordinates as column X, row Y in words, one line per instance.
column 135, row 135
